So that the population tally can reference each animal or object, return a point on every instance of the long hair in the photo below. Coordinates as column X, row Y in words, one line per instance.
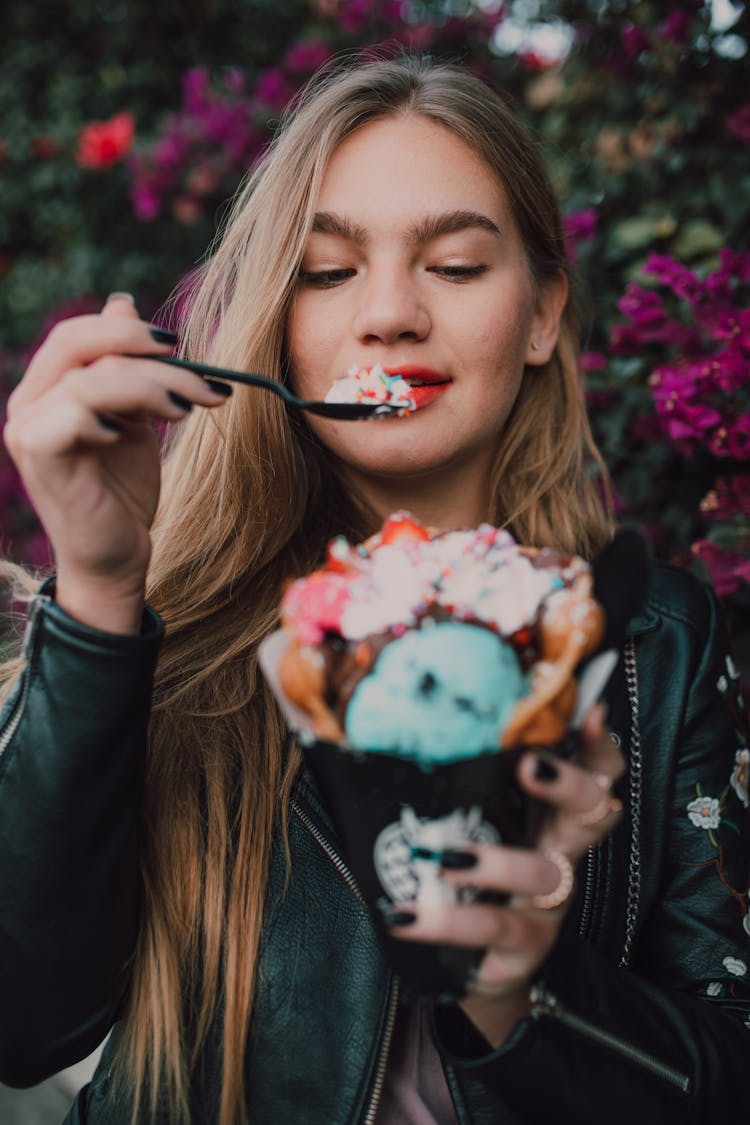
column 249, row 500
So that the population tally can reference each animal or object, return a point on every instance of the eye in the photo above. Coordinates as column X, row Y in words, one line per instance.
column 457, row 273
column 325, row 279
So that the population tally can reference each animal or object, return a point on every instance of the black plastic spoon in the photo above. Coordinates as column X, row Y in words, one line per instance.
column 343, row 411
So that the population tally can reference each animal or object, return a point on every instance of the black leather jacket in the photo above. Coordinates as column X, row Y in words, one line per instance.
column 641, row 1013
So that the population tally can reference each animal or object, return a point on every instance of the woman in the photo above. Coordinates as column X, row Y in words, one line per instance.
column 187, row 892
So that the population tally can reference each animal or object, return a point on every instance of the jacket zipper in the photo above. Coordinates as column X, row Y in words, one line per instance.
column 385, row 1050
column 390, row 1021
column 543, row 1003
column 18, row 708
column 588, row 894
column 335, row 858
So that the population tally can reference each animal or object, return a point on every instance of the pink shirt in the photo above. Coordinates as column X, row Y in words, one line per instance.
column 415, row 1091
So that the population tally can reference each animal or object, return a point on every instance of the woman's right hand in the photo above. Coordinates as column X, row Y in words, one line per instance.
column 80, row 432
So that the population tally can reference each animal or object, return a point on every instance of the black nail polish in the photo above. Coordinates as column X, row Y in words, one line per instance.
column 493, row 898
column 163, row 336
column 110, row 424
column 453, row 860
column 545, row 770
column 398, row 917
column 180, row 400
column 218, row 388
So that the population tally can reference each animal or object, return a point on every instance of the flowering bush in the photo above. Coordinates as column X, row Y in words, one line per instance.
column 129, row 133
column 701, row 327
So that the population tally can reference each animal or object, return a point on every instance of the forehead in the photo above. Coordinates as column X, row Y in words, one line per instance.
column 408, row 162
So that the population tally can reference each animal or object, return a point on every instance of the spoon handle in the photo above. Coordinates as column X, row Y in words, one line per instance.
column 344, row 411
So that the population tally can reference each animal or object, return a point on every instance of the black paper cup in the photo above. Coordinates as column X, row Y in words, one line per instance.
column 395, row 817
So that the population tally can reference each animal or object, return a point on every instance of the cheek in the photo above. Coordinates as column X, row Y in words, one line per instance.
column 312, row 346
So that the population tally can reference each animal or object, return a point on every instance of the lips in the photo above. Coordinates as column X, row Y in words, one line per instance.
column 426, row 385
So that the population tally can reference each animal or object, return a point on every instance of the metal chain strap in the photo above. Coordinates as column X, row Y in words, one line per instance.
column 635, row 772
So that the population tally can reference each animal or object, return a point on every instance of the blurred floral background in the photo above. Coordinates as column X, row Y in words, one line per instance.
column 125, row 126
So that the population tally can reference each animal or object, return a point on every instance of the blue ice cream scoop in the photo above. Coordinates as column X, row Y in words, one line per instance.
column 437, row 694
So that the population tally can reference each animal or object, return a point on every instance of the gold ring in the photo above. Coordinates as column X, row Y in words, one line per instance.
column 603, row 808
column 563, row 888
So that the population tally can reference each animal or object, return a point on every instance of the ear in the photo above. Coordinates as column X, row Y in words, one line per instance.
column 545, row 326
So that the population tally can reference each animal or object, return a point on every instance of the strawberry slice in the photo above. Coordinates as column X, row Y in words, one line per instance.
column 402, row 525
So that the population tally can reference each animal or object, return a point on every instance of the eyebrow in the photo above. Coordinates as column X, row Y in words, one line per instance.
column 432, row 226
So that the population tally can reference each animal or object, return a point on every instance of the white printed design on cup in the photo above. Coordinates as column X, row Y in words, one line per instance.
column 407, row 854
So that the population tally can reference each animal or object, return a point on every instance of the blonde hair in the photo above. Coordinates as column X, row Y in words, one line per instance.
column 249, row 500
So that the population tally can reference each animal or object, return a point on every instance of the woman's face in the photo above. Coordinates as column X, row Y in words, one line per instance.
column 415, row 262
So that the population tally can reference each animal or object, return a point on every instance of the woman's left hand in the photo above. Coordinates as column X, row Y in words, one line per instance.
column 519, row 935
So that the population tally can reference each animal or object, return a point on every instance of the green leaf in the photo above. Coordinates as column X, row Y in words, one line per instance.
column 696, row 237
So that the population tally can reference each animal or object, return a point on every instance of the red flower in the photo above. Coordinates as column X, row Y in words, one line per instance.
column 44, row 147
column 102, row 143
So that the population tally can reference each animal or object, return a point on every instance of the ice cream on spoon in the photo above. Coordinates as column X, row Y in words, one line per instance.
column 373, row 385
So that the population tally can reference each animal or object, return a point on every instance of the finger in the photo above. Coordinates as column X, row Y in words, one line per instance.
column 470, row 925
column 81, row 341
column 89, row 401
column 112, row 385
column 598, row 749
column 515, row 871
column 120, row 304
column 568, row 788
column 55, row 432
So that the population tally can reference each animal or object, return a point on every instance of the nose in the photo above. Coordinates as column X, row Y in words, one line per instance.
column 391, row 308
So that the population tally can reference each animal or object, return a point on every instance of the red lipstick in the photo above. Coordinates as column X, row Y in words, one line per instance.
column 426, row 384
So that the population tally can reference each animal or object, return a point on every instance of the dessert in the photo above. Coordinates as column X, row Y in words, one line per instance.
column 373, row 385
column 438, row 646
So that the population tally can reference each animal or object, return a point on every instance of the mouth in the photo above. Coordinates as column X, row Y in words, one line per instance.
column 427, row 385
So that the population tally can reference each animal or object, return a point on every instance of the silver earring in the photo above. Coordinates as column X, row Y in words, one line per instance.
column 535, row 345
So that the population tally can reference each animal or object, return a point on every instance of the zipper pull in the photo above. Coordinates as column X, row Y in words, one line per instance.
column 32, row 622
column 543, row 1003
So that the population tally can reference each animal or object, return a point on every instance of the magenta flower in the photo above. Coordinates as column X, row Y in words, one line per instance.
column 727, row 568
column 273, row 88
column 729, row 496
column 739, row 123
column 634, row 41
column 677, row 28
column 306, row 57
column 579, row 227
column 701, row 326
column 592, row 361
column 211, row 140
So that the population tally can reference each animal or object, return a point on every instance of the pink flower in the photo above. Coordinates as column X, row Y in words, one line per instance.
column 354, row 15
column 726, row 568
column 676, row 28
column 739, row 122
column 674, row 275
column 578, row 227
column 307, row 56
column 634, row 40
column 593, row 361
column 102, row 143
column 273, row 89
column 737, row 442
column 729, row 496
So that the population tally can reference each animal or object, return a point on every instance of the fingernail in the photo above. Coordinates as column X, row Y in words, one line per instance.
column 163, row 336
column 110, row 424
column 458, row 861
column 218, row 388
column 120, row 295
column 545, row 770
column 398, row 917
column 179, row 400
